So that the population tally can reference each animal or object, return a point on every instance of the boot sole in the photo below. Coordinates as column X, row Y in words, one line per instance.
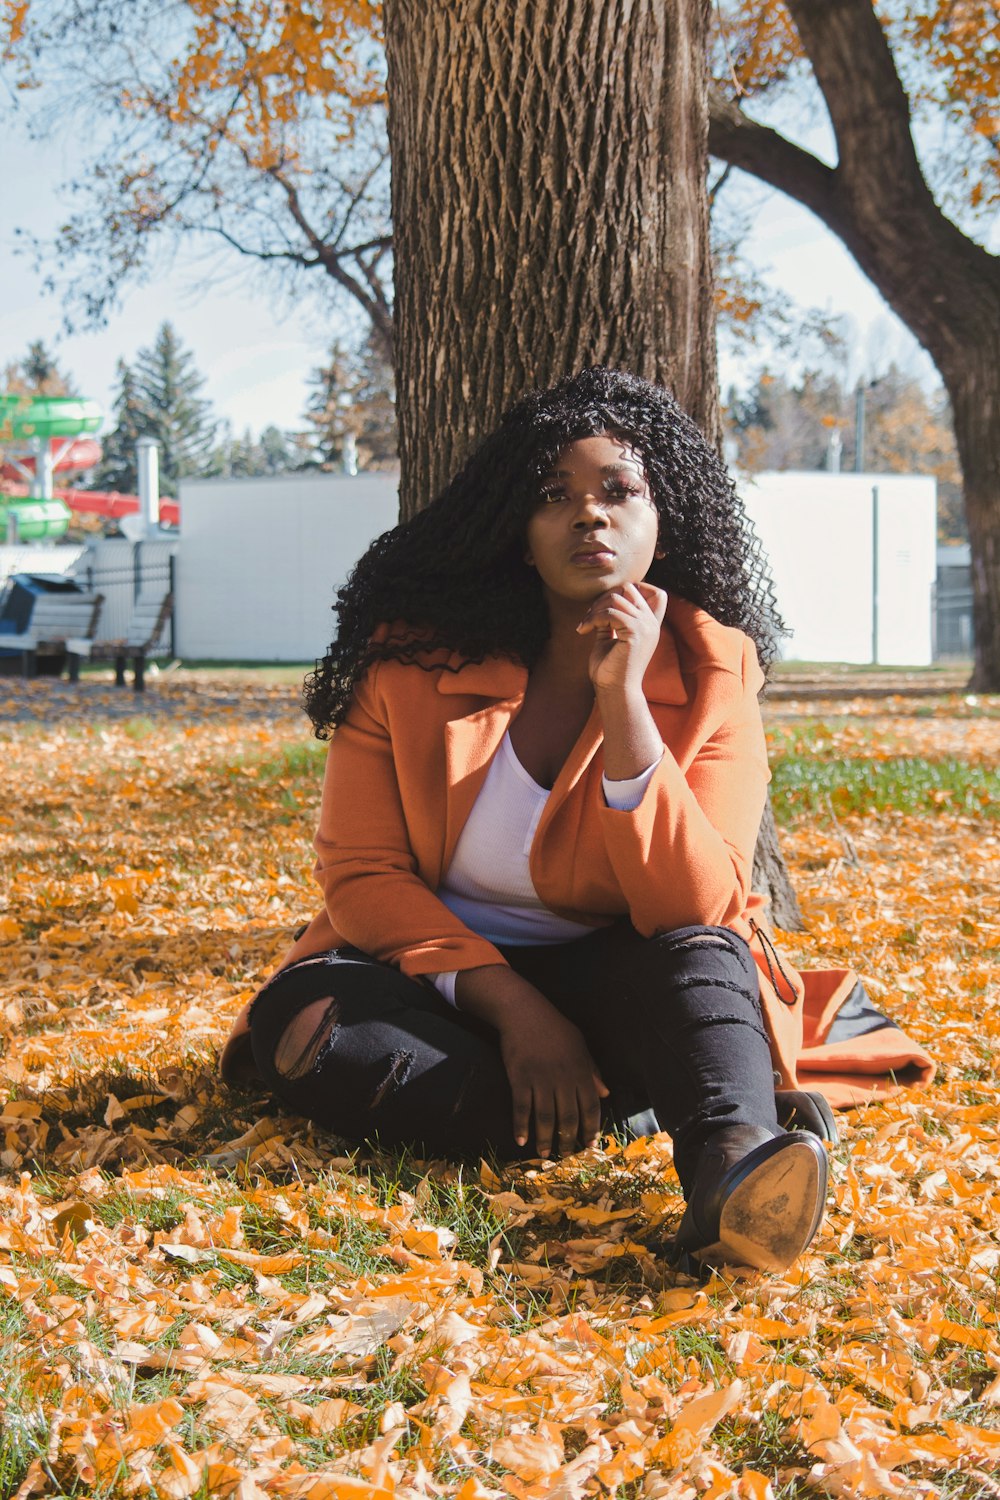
column 773, row 1213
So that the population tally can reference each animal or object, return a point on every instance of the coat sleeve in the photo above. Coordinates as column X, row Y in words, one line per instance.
column 365, row 866
column 684, row 856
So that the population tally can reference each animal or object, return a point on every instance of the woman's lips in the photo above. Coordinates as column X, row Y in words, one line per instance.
column 593, row 557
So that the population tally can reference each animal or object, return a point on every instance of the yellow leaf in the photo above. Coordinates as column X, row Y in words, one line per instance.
column 529, row 1455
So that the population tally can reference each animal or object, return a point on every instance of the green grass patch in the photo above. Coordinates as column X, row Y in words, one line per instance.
column 294, row 761
column 790, row 667
column 824, row 787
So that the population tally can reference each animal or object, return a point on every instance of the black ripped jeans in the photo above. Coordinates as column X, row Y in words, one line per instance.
column 673, row 1023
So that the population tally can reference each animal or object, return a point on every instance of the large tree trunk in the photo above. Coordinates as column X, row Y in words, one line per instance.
column 943, row 286
column 974, row 389
column 549, row 209
column 549, row 206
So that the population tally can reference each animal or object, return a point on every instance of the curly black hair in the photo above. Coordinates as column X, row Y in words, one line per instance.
column 455, row 572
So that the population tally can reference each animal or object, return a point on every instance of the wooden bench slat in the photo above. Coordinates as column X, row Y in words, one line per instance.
column 147, row 624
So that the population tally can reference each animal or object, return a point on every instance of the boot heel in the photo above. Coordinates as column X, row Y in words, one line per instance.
column 771, row 1215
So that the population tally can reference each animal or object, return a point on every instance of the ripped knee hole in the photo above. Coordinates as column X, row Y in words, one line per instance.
column 305, row 1039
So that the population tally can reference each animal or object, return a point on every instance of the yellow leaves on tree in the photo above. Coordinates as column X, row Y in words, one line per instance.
column 245, row 69
column 13, row 17
column 252, row 65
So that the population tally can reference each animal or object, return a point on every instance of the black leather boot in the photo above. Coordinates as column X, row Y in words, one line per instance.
column 799, row 1110
column 757, row 1199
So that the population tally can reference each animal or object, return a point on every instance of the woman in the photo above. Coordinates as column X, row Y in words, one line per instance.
column 539, row 814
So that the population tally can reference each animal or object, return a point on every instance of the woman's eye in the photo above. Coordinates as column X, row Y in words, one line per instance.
column 609, row 492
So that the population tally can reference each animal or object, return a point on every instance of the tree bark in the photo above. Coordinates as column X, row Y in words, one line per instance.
column 770, row 875
column 975, row 402
column 549, row 210
column 549, row 164
column 943, row 286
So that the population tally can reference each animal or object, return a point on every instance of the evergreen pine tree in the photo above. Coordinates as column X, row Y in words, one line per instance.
column 117, row 469
column 167, row 387
column 247, row 457
column 245, row 460
column 275, row 451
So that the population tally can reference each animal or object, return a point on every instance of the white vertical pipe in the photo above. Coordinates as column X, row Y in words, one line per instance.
column 44, row 479
column 875, row 547
column 148, row 466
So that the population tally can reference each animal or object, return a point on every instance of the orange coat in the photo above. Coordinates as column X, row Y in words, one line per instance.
column 407, row 764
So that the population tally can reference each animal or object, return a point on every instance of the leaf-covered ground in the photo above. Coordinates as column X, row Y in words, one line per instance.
column 200, row 1296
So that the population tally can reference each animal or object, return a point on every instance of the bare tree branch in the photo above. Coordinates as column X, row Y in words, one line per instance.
column 375, row 306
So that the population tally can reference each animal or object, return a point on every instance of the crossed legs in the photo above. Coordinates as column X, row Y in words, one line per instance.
column 674, row 1024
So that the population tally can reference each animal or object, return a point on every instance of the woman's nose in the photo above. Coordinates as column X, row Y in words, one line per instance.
column 590, row 512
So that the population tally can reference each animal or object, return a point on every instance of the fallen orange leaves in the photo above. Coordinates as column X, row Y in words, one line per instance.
column 200, row 1296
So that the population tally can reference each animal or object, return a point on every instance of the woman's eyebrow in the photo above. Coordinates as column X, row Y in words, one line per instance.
column 605, row 469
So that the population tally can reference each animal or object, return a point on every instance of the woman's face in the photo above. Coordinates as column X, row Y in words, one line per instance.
column 596, row 525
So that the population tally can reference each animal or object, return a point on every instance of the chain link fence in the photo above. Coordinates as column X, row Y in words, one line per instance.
column 126, row 574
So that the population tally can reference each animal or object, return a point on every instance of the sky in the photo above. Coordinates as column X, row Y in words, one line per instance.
column 256, row 348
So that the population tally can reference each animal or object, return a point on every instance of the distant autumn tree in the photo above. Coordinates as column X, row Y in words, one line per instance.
column 783, row 423
column 352, row 396
column 910, row 89
column 36, row 373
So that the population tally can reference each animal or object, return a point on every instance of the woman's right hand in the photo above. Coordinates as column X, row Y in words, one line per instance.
column 553, row 1078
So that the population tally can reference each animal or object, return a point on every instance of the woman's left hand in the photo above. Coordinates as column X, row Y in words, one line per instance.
column 626, row 626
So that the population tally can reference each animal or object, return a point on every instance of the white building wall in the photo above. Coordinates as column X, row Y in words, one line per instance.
column 817, row 530
column 259, row 560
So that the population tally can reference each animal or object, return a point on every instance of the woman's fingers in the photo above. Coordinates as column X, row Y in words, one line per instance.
column 565, row 1111
column 655, row 598
column 545, row 1120
column 590, row 1117
column 522, row 1112
column 608, row 619
column 569, row 1119
column 631, row 602
column 563, row 1119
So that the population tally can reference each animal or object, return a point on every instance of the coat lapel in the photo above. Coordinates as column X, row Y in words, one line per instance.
column 663, row 682
column 472, row 739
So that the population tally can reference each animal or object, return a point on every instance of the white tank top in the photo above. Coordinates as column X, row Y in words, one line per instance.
column 488, row 883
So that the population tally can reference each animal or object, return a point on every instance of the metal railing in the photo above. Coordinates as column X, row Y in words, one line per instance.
column 951, row 621
column 122, row 586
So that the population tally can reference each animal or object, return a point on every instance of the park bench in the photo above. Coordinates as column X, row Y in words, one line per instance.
column 62, row 621
column 144, row 637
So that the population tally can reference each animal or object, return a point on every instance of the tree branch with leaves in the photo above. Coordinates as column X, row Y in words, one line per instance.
column 880, row 71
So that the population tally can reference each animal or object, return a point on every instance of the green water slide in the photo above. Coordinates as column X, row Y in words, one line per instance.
column 47, row 417
column 35, row 421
